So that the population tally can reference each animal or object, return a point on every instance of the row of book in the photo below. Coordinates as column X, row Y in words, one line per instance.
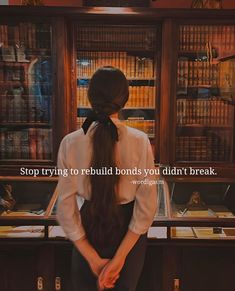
column 20, row 73
column 196, row 37
column 14, row 72
column 132, row 66
column 206, row 112
column 27, row 34
column 203, row 148
column 116, row 37
column 139, row 96
column 197, row 73
column 28, row 143
column 16, row 107
column 147, row 126
column 30, row 73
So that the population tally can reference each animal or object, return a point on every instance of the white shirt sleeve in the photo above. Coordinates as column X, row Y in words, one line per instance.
column 68, row 214
column 146, row 195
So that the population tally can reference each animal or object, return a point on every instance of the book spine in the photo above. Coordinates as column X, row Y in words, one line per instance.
column 3, row 148
column 9, row 144
column 33, row 143
column 46, row 143
column 17, row 144
column 39, row 143
column 3, row 106
column 25, row 144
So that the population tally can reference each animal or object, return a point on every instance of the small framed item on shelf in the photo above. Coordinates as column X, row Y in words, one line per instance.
column 21, row 54
column 8, row 53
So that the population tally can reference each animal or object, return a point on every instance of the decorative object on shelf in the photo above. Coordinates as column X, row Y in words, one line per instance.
column 196, row 200
column 210, row 4
column 116, row 3
column 7, row 202
column 32, row 2
column 8, row 53
column 20, row 54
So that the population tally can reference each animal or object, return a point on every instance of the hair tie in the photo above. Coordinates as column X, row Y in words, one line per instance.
column 102, row 118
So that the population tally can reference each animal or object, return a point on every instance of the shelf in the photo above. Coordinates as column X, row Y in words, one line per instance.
column 197, row 53
column 202, row 162
column 226, row 58
column 46, row 51
column 128, row 78
column 125, row 108
column 138, row 108
column 205, row 125
column 26, row 160
column 115, row 49
column 15, row 62
column 22, row 124
column 198, row 86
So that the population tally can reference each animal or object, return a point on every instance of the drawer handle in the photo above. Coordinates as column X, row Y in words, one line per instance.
column 39, row 283
column 57, row 283
column 177, row 284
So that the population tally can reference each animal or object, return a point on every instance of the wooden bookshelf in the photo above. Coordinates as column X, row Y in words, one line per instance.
column 129, row 48
column 204, row 109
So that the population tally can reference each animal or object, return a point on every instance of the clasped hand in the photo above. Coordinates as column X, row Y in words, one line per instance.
column 107, row 271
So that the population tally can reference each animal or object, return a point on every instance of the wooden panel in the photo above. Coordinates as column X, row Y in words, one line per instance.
column 171, row 265
column 168, row 83
column 208, row 269
column 62, row 265
column 18, row 269
column 45, row 266
column 151, row 277
column 63, row 112
column 3, row 270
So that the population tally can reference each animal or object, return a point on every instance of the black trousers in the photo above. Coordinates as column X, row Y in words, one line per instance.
column 82, row 278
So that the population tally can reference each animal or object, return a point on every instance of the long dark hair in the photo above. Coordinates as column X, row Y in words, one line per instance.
column 108, row 93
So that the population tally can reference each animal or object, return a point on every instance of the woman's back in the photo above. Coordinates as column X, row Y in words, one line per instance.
column 130, row 148
column 106, row 163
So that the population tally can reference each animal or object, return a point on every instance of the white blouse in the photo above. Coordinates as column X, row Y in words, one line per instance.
column 133, row 155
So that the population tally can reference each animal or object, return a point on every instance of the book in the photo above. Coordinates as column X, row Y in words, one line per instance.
column 135, row 67
column 196, row 37
column 214, row 112
column 3, row 149
column 229, row 232
column 33, row 143
column 25, row 146
column 157, row 232
column 182, row 232
column 116, row 37
column 207, row 233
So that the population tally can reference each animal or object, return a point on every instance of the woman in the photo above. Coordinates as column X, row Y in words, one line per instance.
column 109, row 231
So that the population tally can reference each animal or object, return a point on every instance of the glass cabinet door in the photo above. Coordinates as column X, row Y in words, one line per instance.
column 25, row 91
column 205, row 94
column 212, row 203
column 130, row 48
column 26, row 201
